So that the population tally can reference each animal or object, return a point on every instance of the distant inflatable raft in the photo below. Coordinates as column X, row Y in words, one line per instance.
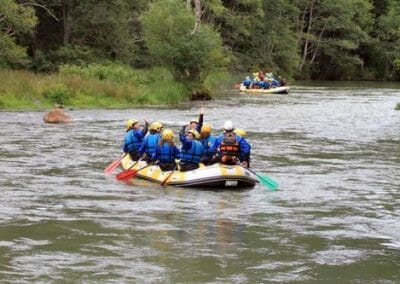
column 277, row 90
column 214, row 176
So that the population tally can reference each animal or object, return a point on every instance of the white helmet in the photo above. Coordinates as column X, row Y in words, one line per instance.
column 228, row 125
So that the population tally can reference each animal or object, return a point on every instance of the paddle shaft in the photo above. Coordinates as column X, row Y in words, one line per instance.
column 167, row 178
column 111, row 167
column 128, row 172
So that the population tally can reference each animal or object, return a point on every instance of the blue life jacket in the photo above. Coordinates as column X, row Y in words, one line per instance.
column 207, row 143
column 247, row 82
column 150, row 144
column 275, row 83
column 133, row 140
column 168, row 154
column 265, row 85
column 245, row 148
column 258, row 84
column 193, row 154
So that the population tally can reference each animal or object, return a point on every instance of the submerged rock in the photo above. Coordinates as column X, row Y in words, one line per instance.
column 201, row 95
column 56, row 115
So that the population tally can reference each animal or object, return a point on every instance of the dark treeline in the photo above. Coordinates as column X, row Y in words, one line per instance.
column 303, row 39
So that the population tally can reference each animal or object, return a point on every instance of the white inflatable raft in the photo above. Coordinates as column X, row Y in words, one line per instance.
column 214, row 176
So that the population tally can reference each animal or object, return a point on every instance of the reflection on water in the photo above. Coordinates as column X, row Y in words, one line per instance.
column 335, row 152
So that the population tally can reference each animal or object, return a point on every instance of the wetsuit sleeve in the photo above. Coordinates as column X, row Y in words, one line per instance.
column 177, row 153
column 200, row 124
column 182, row 134
column 214, row 146
column 139, row 134
column 245, row 149
column 186, row 143
column 146, row 127
column 142, row 148
column 156, row 154
column 125, row 148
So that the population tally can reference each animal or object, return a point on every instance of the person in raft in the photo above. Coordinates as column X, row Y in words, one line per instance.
column 245, row 156
column 191, row 149
column 150, row 142
column 207, row 140
column 133, row 139
column 231, row 148
column 196, row 124
column 166, row 151
column 247, row 82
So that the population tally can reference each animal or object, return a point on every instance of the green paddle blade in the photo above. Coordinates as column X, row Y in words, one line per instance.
column 267, row 181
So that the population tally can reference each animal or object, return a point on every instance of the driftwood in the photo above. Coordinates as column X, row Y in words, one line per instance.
column 56, row 115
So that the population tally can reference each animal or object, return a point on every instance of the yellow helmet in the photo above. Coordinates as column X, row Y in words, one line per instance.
column 206, row 128
column 168, row 134
column 159, row 126
column 130, row 123
column 156, row 126
column 241, row 132
column 194, row 133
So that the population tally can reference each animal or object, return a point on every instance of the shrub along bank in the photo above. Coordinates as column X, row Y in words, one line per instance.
column 93, row 86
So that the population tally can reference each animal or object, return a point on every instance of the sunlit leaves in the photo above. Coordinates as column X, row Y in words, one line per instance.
column 170, row 38
column 15, row 19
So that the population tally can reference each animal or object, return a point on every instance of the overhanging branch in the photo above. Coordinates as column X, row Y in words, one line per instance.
column 32, row 3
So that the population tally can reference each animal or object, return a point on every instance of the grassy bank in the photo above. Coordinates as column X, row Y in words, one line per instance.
column 95, row 86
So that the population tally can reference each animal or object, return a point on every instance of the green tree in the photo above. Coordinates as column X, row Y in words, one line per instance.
column 77, row 31
column 277, row 47
column 260, row 33
column 387, row 52
column 173, row 39
column 330, row 33
column 238, row 22
column 104, row 25
column 15, row 19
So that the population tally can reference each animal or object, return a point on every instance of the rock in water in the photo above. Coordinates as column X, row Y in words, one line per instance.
column 56, row 115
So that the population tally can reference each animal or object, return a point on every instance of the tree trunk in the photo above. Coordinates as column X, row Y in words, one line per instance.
column 67, row 21
column 306, row 43
column 317, row 45
column 197, row 13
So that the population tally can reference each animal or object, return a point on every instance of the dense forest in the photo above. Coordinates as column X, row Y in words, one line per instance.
column 302, row 39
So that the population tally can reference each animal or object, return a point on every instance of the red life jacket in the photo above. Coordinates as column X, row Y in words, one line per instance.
column 229, row 149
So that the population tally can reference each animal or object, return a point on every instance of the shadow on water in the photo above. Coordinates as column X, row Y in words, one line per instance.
column 333, row 149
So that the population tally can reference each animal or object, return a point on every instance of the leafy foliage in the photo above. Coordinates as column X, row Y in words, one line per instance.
column 15, row 20
column 57, row 94
column 119, row 73
column 170, row 37
column 69, row 54
column 318, row 39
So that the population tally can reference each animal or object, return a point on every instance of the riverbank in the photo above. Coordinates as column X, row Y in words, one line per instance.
column 94, row 86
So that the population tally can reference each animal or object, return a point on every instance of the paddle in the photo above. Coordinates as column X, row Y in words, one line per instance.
column 131, row 174
column 126, row 174
column 263, row 179
column 114, row 164
column 167, row 178
column 266, row 181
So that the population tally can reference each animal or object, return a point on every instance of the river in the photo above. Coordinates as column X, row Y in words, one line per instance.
column 334, row 150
